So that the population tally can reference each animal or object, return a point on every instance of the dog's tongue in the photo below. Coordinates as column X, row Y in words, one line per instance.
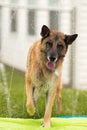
column 50, row 65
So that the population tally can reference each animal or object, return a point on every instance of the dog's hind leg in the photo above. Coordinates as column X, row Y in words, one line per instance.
column 36, row 95
column 59, row 97
column 59, row 100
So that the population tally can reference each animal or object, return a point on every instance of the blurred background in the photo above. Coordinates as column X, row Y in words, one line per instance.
column 20, row 26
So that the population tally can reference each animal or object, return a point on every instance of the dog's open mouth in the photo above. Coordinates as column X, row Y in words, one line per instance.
column 50, row 65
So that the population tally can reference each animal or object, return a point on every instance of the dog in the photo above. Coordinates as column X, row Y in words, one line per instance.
column 44, row 70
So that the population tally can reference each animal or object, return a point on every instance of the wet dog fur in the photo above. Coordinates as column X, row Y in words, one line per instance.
column 44, row 70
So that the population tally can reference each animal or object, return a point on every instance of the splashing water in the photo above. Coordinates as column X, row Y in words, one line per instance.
column 6, row 90
column 75, row 102
column 11, row 79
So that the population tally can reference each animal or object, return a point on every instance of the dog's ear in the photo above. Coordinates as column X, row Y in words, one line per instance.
column 45, row 31
column 70, row 38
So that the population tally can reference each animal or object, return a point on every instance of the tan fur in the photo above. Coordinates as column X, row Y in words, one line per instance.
column 34, row 67
column 41, row 78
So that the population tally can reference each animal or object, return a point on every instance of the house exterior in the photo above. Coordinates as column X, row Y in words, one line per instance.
column 20, row 25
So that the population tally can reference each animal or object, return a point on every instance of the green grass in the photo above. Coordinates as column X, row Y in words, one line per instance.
column 74, row 102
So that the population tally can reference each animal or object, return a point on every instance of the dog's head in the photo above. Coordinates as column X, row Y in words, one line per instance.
column 54, row 46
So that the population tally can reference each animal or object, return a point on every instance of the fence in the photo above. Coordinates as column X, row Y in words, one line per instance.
column 20, row 27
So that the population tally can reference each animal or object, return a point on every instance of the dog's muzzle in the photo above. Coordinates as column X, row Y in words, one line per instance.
column 51, row 62
column 51, row 58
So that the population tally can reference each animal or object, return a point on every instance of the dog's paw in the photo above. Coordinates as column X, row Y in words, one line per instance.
column 30, row 109
column 46, row 125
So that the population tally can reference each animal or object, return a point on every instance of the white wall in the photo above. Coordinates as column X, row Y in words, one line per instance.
column 81, row 46
column 15, row 46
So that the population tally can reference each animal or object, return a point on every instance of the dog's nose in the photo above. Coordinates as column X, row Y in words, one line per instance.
column 54, row 59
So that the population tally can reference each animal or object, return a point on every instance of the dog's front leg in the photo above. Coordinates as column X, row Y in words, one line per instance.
column 47, row 116
column 30, row 103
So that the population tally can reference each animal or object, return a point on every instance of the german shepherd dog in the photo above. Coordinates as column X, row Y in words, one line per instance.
column 44, row 70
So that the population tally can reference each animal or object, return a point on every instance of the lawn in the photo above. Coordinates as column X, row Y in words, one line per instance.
column 13, row 98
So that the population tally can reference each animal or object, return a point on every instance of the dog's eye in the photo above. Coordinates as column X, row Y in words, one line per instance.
column 49, row 44
column 60, row 46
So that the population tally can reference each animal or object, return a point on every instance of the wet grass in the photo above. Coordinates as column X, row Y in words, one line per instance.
column 74, row 102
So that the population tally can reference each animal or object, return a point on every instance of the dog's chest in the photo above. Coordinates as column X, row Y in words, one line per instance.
column 43, row 84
